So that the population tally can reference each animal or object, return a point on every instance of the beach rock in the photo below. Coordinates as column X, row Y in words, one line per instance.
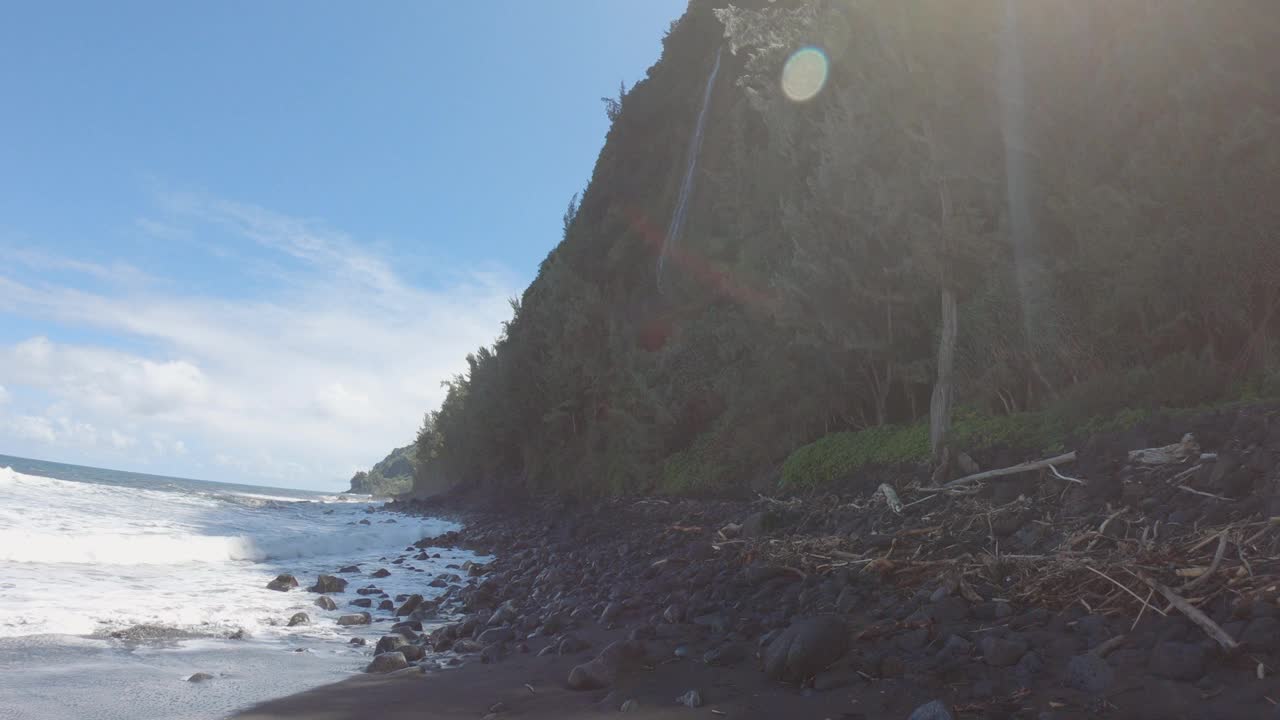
column 284, row 582
column 357, row 641
column 299, row 619
column 369, row 590
column 806, row 648
column 1001, row 652
column 363, row 618
column 387, row 643
column 387, row 662
column 362, row 602
column 493, row 654
column 600, row 672
column 936, row 710
column 691, row 699
column 496, row 635
column 1178, row 661
column 350, row 569
column 610, row 613
column 199, row 677
column 1089, row 673
column 725, row 655
column 590, row 676
column 326, row 602
column 409, row 605
column 631, row 705
column 413, row 653
column 386, row 605
column 329, row 583
column 380, row 573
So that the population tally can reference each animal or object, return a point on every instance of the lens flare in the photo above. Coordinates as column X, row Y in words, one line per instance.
column 804, row 74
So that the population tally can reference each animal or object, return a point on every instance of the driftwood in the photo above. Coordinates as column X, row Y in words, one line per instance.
column 1015, row 469
column 1193, row 613
column 1169, row 454
column 891, row 497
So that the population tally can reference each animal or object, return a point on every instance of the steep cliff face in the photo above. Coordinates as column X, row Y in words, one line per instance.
column 1080, row 179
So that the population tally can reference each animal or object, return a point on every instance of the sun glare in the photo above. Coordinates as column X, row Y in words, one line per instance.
column 804, row 74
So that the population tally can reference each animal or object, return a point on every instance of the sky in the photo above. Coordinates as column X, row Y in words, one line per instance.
column 246, row 241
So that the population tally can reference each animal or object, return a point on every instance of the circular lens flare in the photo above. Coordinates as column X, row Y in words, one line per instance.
column 804, row 74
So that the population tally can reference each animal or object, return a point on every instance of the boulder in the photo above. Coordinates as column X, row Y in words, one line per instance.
column 806, row 648
column 362, row 602
column 350, row 569
column 386, row 605
column 387, row 662
column 496, row 635
column 363, row 618
column 326, row 602
column 413, row 653
column 380, row 573
column 199, row 677
column 299, row 619
column 328, row 584
column 284, row 582
column 388, row 643
column 409, row 606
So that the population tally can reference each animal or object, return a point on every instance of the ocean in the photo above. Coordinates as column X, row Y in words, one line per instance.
column 88, row 555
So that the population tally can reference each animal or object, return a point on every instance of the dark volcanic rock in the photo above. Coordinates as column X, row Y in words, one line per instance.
column 1178, row 661
column 328, row 583
column 299, row 619
column 387, row 662
column 409, row 605
column 386, row 605
column 326, row 602
column 283, row 583
column 1001, row 652
column 387, row 643
column 1089, row 673
column 350, row 569
column 806, row 648
column 496, row 635
column 362, row 602
column 380, row 573
column 601, row 672
column 199, row 677
column 725, row 655
column 355, row 619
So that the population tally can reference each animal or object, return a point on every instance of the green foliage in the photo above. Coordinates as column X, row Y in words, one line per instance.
column 839, row 455
column 393, row 475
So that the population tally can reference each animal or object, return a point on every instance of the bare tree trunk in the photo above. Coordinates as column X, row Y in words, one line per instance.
column 940, row 403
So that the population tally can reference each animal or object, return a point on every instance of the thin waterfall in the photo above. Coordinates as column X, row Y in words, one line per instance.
column 681, row 210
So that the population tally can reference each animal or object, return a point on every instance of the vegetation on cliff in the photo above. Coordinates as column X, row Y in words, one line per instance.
column 393, row 475
column 1066, row 203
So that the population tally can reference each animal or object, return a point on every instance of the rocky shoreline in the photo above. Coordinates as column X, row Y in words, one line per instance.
column 1030, row 596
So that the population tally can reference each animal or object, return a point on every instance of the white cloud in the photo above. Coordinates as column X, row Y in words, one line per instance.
column 4, row 395
column 122, row 441
column 32, row 427
column 327, row 373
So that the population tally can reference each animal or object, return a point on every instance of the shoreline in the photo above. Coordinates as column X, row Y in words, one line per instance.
column 1031, row 596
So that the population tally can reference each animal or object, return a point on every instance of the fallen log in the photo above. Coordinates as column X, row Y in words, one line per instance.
column 1211, row 628
column 1014, row 470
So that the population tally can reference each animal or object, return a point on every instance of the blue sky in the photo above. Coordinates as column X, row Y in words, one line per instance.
column 246, row 240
